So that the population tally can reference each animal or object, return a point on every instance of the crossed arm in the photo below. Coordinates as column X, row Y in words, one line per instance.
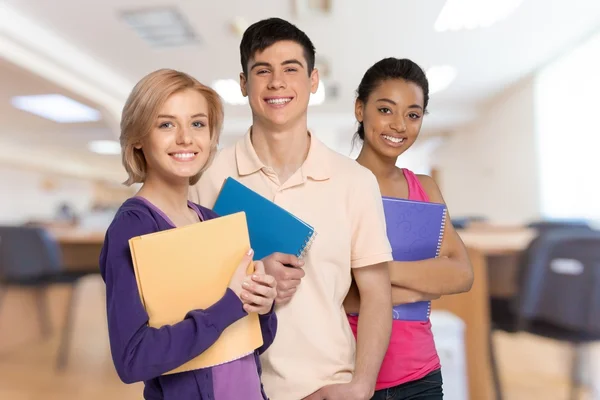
column 450, row 273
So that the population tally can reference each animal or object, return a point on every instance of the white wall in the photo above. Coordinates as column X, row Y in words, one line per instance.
column 29, row 194
column 490, row 167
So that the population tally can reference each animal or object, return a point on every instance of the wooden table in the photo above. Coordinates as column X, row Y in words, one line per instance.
column 473, row 308
column 497, row 241
column 80, row 249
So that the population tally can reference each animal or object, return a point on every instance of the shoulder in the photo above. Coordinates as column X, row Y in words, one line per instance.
column 430, row 187
column 132, row 219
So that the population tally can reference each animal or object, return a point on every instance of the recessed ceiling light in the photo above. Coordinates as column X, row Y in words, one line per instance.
column 440, row 77
column 471, row 14
column 160, row 27
column 229, row 90
column 56, row 107
column 111, row 147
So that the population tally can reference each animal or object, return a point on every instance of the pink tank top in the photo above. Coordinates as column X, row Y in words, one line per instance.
column 411, row 354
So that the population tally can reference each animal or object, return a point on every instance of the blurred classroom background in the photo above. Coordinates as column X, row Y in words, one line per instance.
column 512, row 139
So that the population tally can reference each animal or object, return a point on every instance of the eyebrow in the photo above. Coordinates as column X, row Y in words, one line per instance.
column 268, row 65
column 173, row 117
column 394, row 103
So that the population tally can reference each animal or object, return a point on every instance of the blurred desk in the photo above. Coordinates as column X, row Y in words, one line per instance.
column 80, row 249
column 502, row 248
column 497, row 241
column 473, row 308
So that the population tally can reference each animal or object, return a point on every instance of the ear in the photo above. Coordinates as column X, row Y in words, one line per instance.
column 359, row 109
column 243, row 83
column 314, row 80
column 137, row 146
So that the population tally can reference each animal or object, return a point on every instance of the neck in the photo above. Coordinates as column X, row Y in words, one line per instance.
column 284, row 149
column 171, row 198
column 382, row 167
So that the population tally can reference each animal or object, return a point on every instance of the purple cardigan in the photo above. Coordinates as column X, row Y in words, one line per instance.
column 141, row 353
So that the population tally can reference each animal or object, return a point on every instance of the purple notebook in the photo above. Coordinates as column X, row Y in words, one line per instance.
column 415, row 230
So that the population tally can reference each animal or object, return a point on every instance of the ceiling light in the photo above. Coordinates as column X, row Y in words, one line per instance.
column 160, row 27
column 318, row 97
column 440, row 77
column 57, row 108
column 238, row 26
column 472, row 14
column 229, row 90
column 111, row 147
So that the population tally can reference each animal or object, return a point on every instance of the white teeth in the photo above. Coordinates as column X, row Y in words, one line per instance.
column 183, row 156
column 393, row 139
column 279, row 101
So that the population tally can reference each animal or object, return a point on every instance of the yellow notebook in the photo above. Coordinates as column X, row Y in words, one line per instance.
column 189, row 268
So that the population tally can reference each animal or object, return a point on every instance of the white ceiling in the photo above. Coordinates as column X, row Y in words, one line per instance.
column 100, row 51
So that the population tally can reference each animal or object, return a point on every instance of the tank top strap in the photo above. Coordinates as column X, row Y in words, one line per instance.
column 415, row 189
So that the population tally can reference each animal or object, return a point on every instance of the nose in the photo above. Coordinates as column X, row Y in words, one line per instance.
column 399, row 125
column 277, row 81
column 184, row 135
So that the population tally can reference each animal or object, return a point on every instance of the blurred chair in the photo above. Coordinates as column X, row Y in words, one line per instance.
column 464, row 222
column 559, row 293
column 544, row 225
column 30, row 258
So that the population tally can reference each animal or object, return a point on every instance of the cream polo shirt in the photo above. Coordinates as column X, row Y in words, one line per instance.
column 314, row 345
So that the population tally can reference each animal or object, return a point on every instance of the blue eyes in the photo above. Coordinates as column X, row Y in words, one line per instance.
column 167, row 125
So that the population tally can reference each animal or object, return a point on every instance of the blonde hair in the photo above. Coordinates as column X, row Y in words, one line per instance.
column 142, row 108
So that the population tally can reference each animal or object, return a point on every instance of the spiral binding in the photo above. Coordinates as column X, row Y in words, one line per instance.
column 307, row 244
column 441, row 237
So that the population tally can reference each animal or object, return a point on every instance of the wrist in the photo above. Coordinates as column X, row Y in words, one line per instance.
column 363, row 387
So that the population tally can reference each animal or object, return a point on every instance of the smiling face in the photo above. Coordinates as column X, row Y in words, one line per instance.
column 178, row 144
column 392, row 117
column 279, row 85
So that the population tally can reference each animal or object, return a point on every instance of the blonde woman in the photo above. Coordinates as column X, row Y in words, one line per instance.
column 169, row 133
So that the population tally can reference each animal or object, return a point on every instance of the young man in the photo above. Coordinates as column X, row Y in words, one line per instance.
column 314, row 355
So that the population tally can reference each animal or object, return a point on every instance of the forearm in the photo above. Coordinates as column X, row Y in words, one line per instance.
column 438, row 276
column 141, row 352
column 374, row 329
column 402, row 295
column 268, row 327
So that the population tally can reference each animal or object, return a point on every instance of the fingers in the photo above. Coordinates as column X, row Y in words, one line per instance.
column 259, row 267
column 258, row 287
column 264, row 279
column 288, row 284
column 257, row 300
column 287, row 259
column 290, row 274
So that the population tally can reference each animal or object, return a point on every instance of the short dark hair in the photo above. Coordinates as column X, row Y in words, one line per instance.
column 386, row 69
column 267, row 32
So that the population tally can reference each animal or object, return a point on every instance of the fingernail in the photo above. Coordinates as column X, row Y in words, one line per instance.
column 245, row 284
column 254, row 276
column 250, row 252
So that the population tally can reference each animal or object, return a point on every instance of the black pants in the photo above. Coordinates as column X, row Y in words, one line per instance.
column 427, row 388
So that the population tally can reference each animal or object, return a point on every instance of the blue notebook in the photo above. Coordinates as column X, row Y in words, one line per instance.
column 415, row 230
column 271, row 228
